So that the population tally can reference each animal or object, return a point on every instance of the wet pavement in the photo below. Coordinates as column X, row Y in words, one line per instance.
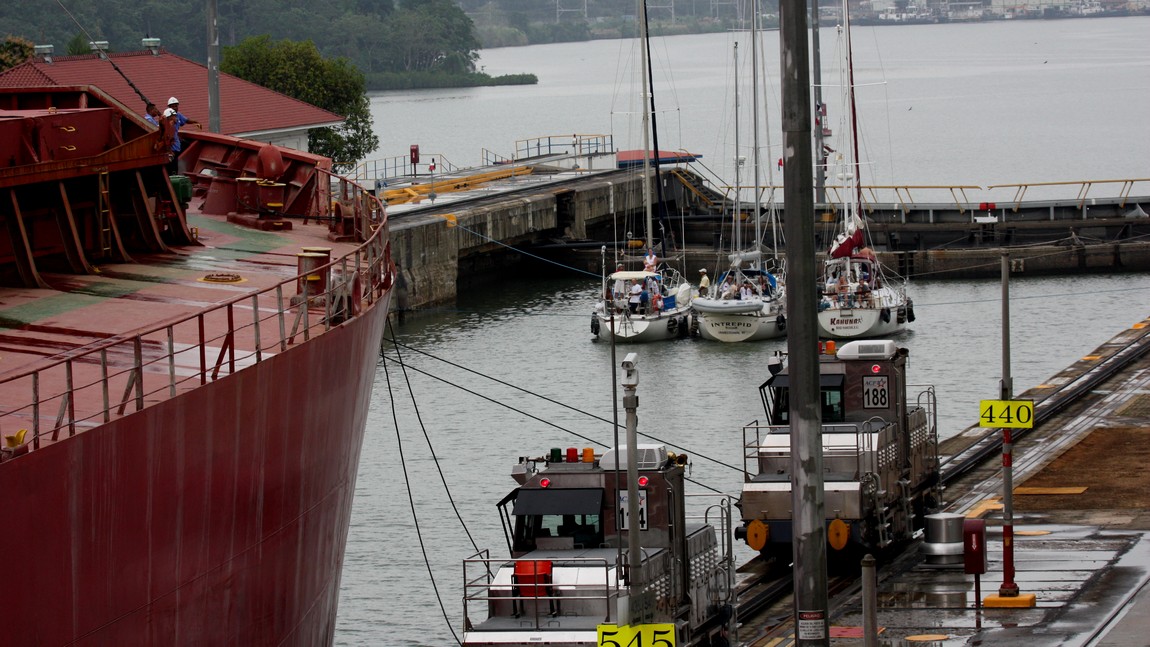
column 1084, row 553
column 1090, row 586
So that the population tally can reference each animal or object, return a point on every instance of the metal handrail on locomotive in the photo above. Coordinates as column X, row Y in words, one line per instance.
column 567, row 528
column 879, row 451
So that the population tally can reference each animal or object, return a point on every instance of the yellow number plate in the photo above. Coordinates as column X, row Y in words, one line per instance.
column 652, row 635
column 1006, row 413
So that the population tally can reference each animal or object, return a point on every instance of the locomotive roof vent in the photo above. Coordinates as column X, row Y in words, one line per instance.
column 647, row 457
column 868, row 349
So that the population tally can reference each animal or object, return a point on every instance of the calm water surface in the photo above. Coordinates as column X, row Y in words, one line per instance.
column 971, row 104
column 511, row 370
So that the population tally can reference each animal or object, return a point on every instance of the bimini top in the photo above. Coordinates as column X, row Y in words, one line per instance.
column 629, row 275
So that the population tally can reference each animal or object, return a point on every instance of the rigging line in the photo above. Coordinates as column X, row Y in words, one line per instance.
column 423, row 428
column 543, row 397
column 557, row 426
column 886, row 94
column 103, row 55
column 414, row 514
column 520, row 251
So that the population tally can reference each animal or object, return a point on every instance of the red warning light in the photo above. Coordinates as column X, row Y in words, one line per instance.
column 875, row 368
column 545, row 482
column 643, row 481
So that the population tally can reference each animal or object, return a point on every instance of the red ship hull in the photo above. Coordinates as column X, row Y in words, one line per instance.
column 219, row 517
column 194, row 423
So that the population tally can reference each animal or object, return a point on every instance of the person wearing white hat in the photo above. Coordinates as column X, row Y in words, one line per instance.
column 180, row 120
column 704, row 283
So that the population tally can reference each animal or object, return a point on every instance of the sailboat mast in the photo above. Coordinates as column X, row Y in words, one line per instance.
column 816, row 70
column 736, row 220
column 856, row 167
column 645, row 100
column 755, row 126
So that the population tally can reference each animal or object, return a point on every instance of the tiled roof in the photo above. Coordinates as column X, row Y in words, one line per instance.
column 245, row 107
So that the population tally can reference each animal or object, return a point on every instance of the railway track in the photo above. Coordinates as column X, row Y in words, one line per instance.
column 1057, row 401
column 762, row 597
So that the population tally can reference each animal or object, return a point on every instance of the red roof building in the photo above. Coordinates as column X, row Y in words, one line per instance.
column 246, row 109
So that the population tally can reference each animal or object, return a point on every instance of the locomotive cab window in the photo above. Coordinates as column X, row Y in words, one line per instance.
column 776, row 398
column 560, row 518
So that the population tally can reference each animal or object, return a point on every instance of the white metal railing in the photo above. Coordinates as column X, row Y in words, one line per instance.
column 481, row 588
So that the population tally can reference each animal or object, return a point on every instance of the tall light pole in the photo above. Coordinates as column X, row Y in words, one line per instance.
column 213, row 69
column 808, row 516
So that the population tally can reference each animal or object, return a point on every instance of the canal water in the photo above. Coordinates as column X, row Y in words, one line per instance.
column 511, row 369
column 957, row 104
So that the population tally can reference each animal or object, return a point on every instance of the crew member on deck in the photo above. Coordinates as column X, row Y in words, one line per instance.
column 620, row 288
column 178, row 121
column 704, row 283
column 650, row 261
column 727, row 289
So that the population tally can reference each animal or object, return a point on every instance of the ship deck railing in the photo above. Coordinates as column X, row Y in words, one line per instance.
column 60, row 395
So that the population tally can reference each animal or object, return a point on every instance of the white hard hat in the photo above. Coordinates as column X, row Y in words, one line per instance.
column 703, row 271
column 168, row 113
column 173, row 101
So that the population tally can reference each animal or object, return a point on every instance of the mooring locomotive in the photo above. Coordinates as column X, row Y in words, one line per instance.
column 568, row 573
column 879, row 451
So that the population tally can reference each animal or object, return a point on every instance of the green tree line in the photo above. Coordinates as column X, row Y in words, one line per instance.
column 395, row 43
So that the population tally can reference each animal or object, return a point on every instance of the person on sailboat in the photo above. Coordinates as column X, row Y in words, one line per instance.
column 704, row 282
column 765, row 287
column 636, row 296
column 620, row 288
column 726, row 289
column 844, row 288
column 746, row 292
column 832, row 283
column 650, row 261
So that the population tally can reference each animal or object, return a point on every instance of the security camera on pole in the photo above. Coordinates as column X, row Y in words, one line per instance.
column 630, row 381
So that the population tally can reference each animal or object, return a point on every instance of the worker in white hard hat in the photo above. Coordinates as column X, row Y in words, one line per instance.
column 180, row 120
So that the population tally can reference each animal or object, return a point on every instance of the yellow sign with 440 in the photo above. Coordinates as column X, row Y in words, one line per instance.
column 652, row 635
column 1006, row 413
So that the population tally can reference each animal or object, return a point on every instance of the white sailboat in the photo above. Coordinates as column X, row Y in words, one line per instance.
column 653, row 304
column 749, row 303
column 859, row 298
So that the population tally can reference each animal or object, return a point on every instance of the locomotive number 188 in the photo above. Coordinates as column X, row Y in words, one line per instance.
column 876, row 392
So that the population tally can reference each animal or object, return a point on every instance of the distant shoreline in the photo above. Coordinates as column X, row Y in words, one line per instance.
column 383, row 81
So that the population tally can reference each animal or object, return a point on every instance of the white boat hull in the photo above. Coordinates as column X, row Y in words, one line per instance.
column 854, row 323
column 764, row 322
column 630, row 328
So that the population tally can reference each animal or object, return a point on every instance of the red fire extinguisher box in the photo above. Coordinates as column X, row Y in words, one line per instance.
column 974, row 546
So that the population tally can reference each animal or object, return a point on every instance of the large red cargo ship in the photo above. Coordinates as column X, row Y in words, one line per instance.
column 185, row 371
